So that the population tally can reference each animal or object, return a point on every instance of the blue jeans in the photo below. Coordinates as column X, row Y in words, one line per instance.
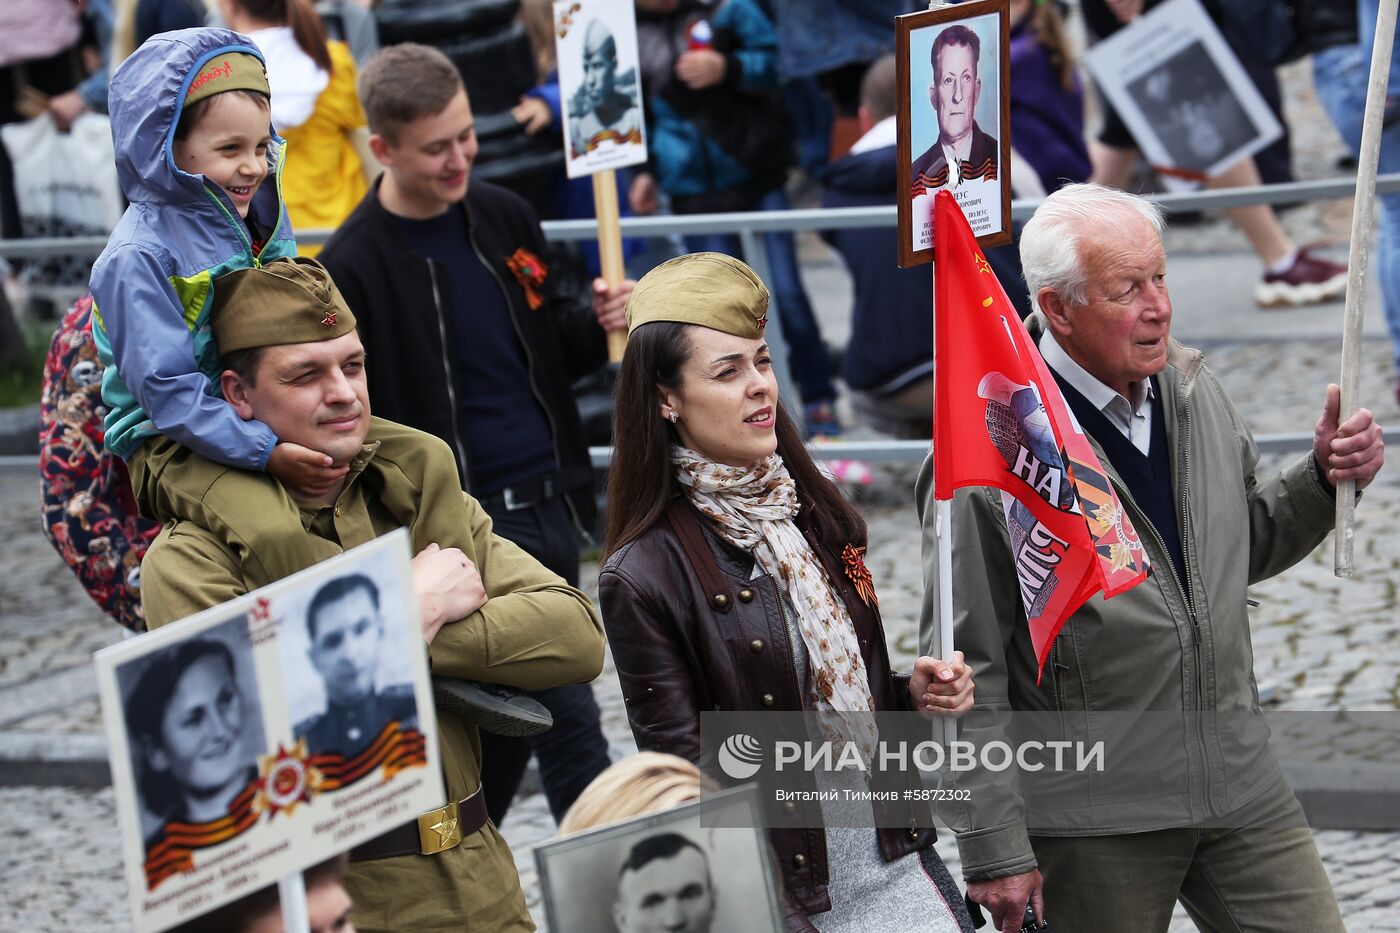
column 1340, row 75
column 807, row 357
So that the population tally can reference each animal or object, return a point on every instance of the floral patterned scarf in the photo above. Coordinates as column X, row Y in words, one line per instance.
column 753, row 507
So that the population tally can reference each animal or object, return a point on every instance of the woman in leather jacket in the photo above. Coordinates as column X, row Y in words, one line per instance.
column 734, row 580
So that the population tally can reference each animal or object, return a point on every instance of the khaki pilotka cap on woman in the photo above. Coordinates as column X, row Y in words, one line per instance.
column 287, row 301
column 709, row 289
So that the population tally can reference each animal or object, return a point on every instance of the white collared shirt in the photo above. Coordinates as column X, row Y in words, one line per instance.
column 1133, row 419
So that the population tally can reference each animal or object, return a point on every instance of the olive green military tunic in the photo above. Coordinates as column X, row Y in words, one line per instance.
column 535, row 631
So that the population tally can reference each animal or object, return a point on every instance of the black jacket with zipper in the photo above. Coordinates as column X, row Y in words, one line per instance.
column 401, row 305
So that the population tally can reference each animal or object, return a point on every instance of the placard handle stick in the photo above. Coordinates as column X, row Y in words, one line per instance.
column 291, row 892
column 609, row 247
column 1356, row 266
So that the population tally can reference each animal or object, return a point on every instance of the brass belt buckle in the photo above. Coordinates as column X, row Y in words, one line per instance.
column 439, row 830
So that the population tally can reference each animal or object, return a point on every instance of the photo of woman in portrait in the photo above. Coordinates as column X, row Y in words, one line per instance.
column 194, row 731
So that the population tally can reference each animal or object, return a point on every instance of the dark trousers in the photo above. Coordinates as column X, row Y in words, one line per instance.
column 573, row 752
column 1264, row 873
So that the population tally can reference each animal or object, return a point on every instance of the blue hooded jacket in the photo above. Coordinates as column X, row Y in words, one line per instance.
column 153, row 286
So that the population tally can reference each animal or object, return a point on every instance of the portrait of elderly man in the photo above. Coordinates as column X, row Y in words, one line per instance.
column 665, row 886
column 346, row 631
column 600, row 111
column 488, row 611
column 963, row 153
column 1224, row 835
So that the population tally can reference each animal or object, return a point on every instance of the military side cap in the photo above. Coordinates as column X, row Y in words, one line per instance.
column 286, row 301
column 236, row 71
column 709, row 289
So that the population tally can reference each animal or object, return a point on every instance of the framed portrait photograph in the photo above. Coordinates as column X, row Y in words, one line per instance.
column 699, row 868
column 234, row 735
column 600, row 88
column 954, row 122
column 1182, row 93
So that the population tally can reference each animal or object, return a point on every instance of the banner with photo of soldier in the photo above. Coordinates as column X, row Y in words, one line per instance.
column 1182, row 93
column 267, row 734
column 600, row 89
column 702, row 867
column 954, row 122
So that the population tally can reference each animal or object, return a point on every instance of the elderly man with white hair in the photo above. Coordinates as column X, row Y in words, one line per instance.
column 1191, row 804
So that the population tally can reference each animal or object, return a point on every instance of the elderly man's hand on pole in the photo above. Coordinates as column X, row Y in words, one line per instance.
column 610, row 304
column 1354, row 450
column 1006, row 898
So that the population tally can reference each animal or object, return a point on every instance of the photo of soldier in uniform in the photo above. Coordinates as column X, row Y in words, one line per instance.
column 702, row 867
column 603, row 112
column 953, row 122
column 1198, row 118
column 195, row 732
column 601, row 95
column 963, row 152
column 348, row 650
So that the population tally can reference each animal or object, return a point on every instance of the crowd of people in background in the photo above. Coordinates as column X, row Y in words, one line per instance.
column 781, row 102
column 426, row 141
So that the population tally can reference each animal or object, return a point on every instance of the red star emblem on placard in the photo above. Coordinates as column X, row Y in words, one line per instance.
column 261, row 609
column 329, row 319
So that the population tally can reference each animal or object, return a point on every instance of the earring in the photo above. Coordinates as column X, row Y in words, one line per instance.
column 675, row 416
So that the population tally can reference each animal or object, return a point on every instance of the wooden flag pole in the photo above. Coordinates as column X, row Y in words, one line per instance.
column 609, row 247
column 1356, row 265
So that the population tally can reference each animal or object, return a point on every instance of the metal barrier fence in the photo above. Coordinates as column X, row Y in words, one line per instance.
column 751, row 226
column 871, row 451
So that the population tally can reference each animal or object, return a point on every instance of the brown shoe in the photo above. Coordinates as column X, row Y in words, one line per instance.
column 1310, row 280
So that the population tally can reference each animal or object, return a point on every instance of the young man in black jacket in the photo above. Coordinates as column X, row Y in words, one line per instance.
column 470, row 340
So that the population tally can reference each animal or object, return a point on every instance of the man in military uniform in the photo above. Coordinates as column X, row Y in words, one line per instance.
column 602, row 113
column 347, row 636
column 963, row 153
column 488, row 611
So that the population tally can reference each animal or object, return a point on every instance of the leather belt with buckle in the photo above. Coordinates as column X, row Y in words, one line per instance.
column 432, row 832
column 525, row 494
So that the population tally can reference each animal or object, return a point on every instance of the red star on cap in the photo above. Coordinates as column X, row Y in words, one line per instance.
column 329, row 319
column 762, row 322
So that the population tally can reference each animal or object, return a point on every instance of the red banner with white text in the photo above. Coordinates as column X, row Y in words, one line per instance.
column 999, row 420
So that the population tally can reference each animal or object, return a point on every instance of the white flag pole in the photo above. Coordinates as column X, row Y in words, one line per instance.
column 943, row 529
column 291, row 892
column 945, row 597
column 1365, row 201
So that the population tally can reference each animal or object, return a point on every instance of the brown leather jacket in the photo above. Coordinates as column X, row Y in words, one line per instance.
column 691, row 631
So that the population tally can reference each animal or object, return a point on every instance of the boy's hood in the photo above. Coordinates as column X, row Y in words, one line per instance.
column 146, row 98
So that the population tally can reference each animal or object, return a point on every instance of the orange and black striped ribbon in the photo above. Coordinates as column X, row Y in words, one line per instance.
column 174, row 850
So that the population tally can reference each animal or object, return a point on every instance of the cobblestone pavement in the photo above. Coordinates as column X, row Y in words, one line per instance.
column 1324, row 643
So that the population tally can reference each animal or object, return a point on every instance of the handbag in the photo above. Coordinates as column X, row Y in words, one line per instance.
column 65, row 186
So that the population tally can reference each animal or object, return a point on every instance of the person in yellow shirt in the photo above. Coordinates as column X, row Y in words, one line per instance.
column 317, row 110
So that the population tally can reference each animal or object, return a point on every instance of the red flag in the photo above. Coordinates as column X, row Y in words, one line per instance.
column 999, row 420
